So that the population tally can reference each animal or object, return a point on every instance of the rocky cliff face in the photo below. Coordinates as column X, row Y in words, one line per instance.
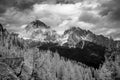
column 1, row 28
column 77, row 35
column 36, row 24
column 75, row 44
column 38, row 31
column 3, row 32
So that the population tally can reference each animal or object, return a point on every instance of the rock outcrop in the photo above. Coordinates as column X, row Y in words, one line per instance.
column 14, row 69
column 3, row 31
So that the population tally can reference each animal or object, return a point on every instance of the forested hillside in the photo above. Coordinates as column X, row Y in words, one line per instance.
column 28, row 60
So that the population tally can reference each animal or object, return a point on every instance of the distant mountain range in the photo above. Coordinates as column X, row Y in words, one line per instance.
column 39, row 31
column 75, row 43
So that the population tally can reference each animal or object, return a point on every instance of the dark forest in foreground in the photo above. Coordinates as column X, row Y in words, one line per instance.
column 20, row 60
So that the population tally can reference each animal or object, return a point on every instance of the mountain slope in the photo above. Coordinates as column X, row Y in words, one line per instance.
column 75, row 44
column 91, row 55
column 39, row 31
column 36, row 24
column 77, row 35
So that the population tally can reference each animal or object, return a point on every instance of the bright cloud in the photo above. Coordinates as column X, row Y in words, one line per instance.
column 60, row 9
column 63, row 16
column 84, row 14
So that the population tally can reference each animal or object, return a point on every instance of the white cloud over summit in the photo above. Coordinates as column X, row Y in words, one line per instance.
column 63, row 16
column 84, row 14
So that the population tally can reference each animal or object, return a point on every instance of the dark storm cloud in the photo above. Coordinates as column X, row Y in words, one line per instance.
column 4, row 4
column 89, row 18
column 28, row 4
column 112, row 10
column 2, row 9
column 18, row 4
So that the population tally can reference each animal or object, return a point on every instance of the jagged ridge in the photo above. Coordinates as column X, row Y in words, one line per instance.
column 39, row 31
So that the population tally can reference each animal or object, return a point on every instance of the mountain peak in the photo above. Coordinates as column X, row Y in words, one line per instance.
column 76, row 35
column 77, row 30
column 38, row 24
column 35, row 30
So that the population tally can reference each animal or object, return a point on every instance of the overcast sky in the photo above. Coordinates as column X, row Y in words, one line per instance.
column 99, row 16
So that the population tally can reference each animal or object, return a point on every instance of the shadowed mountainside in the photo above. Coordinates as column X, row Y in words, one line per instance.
column 21, row 60
column 91, row 54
